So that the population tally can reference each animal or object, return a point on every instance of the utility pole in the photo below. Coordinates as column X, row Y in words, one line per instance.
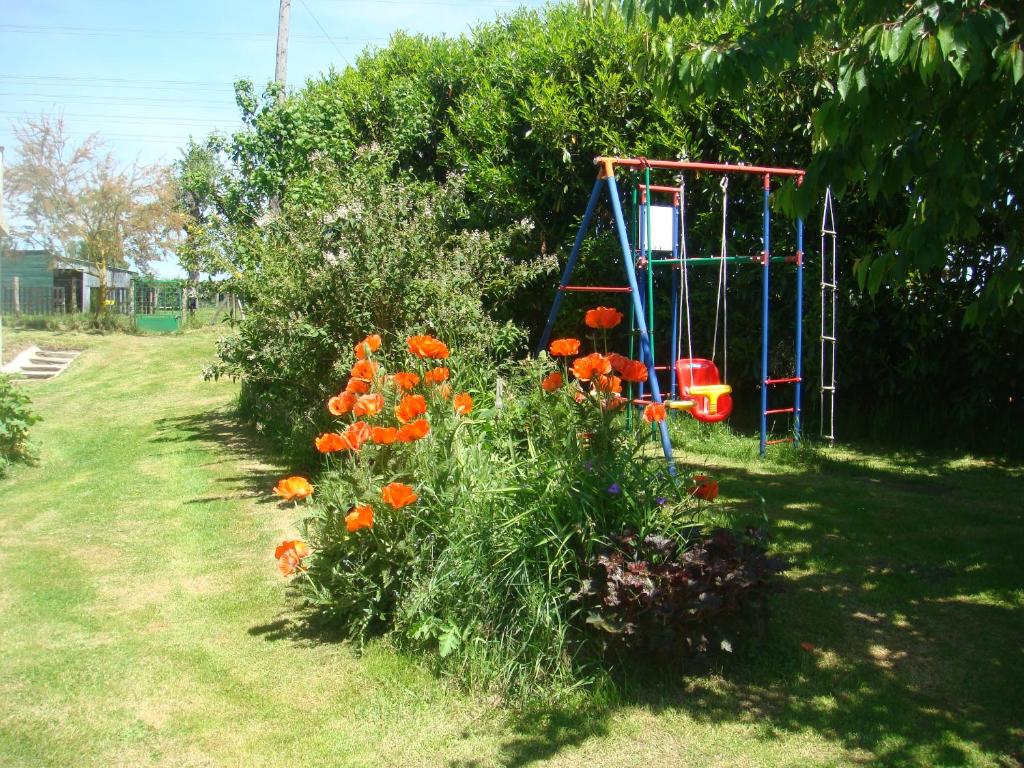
column 3, row 247
column 281, row 66
column 3, row 219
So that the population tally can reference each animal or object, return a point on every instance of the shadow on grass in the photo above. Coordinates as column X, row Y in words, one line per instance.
column 222, row 430
column 898, row 638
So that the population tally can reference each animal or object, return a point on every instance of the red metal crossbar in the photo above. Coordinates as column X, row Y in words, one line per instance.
column 771, row 411
column 782, row 440
column 596, row 288
column 680, row 165
column 790, row 380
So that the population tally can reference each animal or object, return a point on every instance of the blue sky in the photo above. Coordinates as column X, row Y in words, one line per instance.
column 147, row 75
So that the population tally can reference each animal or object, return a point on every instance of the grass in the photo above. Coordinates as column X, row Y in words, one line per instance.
column 143, row 624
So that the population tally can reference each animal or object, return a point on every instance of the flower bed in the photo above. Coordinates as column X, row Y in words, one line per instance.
column 502, row 528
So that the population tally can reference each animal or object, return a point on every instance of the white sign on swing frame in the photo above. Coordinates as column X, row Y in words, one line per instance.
column 662, row 227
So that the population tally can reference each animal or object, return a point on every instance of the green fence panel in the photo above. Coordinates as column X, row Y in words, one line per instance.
column 156, row 323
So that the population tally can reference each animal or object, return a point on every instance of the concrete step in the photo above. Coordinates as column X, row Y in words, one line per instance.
column 34, row 375
column 52, row 369
column 39, row 364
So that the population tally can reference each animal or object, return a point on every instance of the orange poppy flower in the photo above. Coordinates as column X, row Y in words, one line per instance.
column 564, row 347
column 616, row 403
column 427, row 347
column 608, row 384
column 579, row 397
column 371, row 343
column 295, row 487
column 329, row 442
column 289, row 556
column 629, row 370
column 552, row 382
column 384, row 435
column 585, row 368
column 356, row 435
column 654, row 412
column 463, row 404
column 398, row 495
column 296, row 546
column 365, row 370
column 368, row 405
column 360, row 516
column 357, row 386
column 405, row 380
column 437, row 375
column 410, row 407
column 414, row 430
column 341, row 404
column 602, row 317
column 705, row 488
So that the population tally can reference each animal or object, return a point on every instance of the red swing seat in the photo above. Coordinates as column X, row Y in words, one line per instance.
column 699, row 380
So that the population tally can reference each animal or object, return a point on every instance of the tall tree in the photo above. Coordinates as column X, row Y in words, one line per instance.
column 199, row 181
column 76, row 200
column 923, row 112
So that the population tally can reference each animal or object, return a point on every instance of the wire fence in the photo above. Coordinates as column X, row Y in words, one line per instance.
column 34, row 301
column 141, row 299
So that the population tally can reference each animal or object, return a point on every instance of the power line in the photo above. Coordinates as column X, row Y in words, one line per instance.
column 40, row 86
column 131, row 80
column 133, row 119
column 470, row 4
column 178, row 34
column 313, row 15
column 107, row 99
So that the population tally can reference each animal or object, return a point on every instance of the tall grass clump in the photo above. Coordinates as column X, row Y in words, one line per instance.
column 102, row 322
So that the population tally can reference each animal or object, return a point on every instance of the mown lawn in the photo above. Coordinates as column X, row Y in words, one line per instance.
column 142, row 621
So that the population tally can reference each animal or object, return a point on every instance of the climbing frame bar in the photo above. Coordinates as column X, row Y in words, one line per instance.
column 581, row 233
column 683, row 165
column 765, row 277
column 641, row 322
column 799, row 341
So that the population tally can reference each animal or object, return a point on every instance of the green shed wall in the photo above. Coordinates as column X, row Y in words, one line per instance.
column 32, row 268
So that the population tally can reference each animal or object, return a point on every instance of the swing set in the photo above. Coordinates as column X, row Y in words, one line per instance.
column 659, row 239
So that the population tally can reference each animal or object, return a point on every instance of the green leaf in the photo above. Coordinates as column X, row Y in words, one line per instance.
column 946, row 39
column 448, row 642
column 877, row 271
column 843, row 84
column 929, row 58
column 902, row 40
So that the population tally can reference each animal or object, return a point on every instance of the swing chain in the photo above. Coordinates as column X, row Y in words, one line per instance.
column 686, row 282
column 721, row 298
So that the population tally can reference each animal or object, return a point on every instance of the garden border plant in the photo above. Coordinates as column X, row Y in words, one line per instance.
column 16, row 417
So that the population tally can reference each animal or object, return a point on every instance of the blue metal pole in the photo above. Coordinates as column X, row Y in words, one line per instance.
column 766, row 258
column 675, row 298
column 570, row 265
column 642, row 282
column 645, row 339
column 799, row 328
